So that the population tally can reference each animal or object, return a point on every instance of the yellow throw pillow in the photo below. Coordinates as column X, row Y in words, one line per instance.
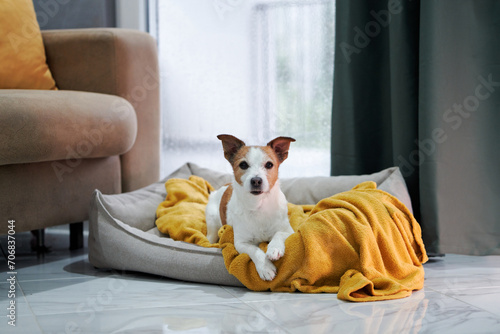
column 22, row 56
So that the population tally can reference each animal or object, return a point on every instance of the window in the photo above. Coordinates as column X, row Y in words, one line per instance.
column 253, row 69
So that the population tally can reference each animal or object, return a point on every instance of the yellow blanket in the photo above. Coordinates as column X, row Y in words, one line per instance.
column 362, row 244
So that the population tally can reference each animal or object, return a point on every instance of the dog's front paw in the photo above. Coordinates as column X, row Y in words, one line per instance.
column 266, row 271
column 275, row 253
column 212, row 237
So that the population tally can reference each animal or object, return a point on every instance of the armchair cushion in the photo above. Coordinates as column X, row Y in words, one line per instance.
column 22, row 53
column 119, row 62
column 38, row 125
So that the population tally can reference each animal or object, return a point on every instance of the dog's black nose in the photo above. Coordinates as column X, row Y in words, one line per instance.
column 256, row 182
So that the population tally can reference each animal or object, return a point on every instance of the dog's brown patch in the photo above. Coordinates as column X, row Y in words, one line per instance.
column 272, row 174
column 223, row 204
column 239, row 157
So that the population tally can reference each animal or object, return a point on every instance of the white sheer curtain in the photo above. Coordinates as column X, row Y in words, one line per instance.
column 253, row 69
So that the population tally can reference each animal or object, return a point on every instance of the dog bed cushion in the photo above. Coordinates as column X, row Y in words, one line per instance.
column 123, row 234
column 362, row 244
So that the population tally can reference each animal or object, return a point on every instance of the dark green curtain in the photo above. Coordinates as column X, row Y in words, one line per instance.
column 417, row 85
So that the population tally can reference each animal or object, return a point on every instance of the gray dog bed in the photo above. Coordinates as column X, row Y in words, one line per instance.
column 123, row 234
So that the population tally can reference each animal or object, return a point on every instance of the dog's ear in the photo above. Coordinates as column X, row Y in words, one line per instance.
column 231, row 146
column 280, row 146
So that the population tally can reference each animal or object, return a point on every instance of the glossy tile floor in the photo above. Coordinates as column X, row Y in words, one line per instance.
column 62, row 293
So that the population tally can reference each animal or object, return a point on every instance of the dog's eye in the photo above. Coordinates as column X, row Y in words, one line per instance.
column 244, row 165
column 269, row 165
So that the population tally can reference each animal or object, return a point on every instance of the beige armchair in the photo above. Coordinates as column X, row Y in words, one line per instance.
column 100, row 130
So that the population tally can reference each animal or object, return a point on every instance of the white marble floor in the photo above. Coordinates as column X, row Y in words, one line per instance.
column 62, row 293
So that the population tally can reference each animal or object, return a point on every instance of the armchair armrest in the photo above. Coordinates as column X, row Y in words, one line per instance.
column 118, row 62
column 45, row 125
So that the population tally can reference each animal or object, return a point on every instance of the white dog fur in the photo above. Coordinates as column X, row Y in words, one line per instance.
column 255, row 206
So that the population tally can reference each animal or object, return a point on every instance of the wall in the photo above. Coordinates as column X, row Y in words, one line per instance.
column 69, row 14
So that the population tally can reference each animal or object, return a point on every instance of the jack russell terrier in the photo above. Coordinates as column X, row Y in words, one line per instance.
column 253, row 203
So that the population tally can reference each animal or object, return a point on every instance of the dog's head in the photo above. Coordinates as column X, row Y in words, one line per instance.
column 255, row 167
